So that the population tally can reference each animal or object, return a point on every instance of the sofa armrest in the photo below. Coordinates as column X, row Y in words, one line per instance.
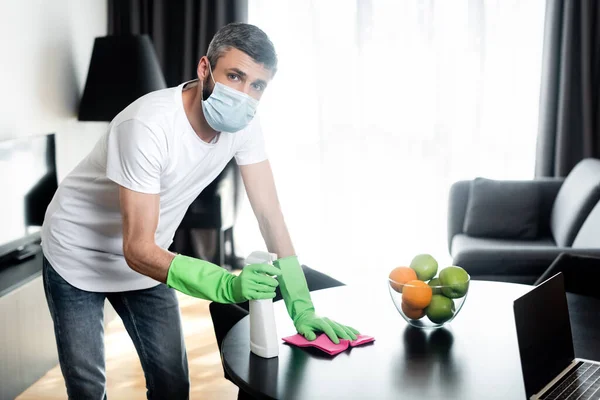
column 457, row 209
column 549, row 188
column 459, row 197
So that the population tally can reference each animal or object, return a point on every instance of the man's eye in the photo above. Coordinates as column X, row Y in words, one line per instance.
column 258, row 87
column 234, row 77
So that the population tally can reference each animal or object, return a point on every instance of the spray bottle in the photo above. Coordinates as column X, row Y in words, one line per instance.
column 263, row 331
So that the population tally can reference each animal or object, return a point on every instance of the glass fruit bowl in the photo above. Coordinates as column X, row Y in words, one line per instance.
column 431, row 304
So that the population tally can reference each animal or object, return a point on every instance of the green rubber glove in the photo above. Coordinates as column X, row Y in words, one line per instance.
column 208, row 281
column 300, row 307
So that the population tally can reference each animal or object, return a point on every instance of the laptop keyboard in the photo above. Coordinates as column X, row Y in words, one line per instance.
column 581, row 383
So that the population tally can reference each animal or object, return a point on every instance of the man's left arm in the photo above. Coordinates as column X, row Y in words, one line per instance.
column 260, row 187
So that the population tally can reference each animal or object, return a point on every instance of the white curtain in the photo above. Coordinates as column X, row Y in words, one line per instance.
column 378, row 107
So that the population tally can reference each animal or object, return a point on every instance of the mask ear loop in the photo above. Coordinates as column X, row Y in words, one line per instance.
column 202, row 82
column 211, row 75
column 214, row 82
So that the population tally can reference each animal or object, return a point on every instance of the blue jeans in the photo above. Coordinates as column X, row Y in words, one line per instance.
column 152, row 319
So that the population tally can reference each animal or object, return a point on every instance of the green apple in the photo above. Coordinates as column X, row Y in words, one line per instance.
column 425, row 266
column 433, row 283
column 440, row 309
column 455, row 282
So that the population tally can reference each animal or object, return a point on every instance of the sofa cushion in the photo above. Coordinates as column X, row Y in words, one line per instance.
column 577, row 196
column 463, row 242
column 483, row 256
column 588, row 236
column 502, row 209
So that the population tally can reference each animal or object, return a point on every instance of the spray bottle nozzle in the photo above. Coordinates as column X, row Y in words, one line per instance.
column 261, row 257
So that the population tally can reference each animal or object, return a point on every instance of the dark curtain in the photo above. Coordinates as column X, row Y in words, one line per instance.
column 569, row 125
column 180, row 30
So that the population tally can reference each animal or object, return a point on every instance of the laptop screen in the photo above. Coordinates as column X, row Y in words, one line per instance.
column 544, row 333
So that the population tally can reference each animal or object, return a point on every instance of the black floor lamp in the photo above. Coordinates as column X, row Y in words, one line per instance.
column 122, row 69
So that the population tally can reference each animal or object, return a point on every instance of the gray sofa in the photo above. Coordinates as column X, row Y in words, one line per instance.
column 513, row 230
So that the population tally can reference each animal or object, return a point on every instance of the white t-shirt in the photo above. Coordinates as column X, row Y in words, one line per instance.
column 150, row 147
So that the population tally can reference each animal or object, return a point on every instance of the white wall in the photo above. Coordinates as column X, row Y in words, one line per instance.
column 45, row 50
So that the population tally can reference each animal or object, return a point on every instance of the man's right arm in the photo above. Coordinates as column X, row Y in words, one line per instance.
column 198, row 278
column 140, row 213
column 135, row 159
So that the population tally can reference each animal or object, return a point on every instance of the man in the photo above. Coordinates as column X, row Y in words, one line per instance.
column 107, row 229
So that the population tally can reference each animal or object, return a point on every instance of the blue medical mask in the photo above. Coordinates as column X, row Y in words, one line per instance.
column 227, row 109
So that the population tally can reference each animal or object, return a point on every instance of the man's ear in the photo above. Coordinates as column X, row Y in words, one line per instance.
column 202, row 70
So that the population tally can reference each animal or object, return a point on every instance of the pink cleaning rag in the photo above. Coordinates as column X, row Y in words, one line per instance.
column 323, row 343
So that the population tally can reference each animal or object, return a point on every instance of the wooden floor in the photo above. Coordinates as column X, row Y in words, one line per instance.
column 125, row 379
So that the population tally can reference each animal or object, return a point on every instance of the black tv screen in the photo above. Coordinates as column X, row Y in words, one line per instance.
column 28, row 182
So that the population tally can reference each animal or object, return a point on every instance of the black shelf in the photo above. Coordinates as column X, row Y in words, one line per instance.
column 18, row 273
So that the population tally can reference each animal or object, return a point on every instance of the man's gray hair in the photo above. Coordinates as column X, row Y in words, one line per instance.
column 244, row 37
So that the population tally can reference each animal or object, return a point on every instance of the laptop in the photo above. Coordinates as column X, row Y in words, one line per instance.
column 550, row 369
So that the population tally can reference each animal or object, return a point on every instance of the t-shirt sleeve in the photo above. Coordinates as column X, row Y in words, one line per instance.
column 135, row 157
column 253, row 149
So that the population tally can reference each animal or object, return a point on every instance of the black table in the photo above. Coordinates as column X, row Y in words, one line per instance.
column 476, row 356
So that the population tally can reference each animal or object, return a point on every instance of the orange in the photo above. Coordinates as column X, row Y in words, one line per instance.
column 416, row 294
column 412, row 313
column 400, row 275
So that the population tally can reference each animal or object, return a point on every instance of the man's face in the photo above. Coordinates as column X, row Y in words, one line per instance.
column 239, row 71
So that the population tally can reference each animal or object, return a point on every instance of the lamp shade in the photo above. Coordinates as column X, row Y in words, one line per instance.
column 122, row 69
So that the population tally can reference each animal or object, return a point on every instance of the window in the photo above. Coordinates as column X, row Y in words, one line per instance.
column 378, row 107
